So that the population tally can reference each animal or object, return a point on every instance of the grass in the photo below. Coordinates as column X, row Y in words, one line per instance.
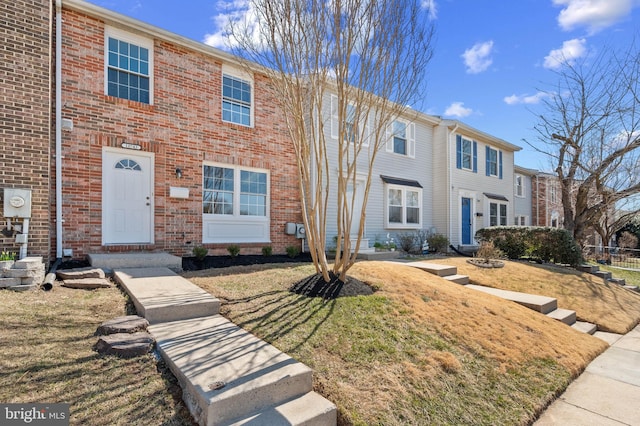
column 46, row 356
column 421, row 350
column 631, row 277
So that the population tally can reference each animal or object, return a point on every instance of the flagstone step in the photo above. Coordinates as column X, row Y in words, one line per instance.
column 226, row 372
column 542, row 304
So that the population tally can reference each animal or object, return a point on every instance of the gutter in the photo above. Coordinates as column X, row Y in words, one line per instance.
column 58, row 135
column 450, row 179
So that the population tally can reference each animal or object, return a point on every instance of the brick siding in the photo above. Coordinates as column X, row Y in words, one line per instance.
column 183, row 128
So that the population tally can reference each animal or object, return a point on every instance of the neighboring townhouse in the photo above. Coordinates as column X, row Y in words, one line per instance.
column 473, row 175
column 25, row 127
column 170, row 143
column 546, row 201
column 523, row 204
column 400, row 196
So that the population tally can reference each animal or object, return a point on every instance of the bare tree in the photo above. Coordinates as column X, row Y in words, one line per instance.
column 591, row 131
column 372, row 55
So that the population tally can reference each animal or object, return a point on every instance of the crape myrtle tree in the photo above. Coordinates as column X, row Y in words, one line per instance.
column 372, row 55
column 590, row 129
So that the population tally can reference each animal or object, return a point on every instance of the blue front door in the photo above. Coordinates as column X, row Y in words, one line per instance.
column 467, row 226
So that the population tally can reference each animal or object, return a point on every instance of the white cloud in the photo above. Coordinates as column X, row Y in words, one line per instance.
column 567, row 54
column 432, row 7
column 526, row 99
column 457, row 109
column 237, row 11
column 478, row 58
column 593, row 14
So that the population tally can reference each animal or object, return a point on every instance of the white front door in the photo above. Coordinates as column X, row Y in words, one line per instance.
column 357, row 206
column 127, row 197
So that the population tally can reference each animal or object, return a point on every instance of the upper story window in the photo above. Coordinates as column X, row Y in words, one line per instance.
column 128, row 66
column 401, row 136
column 466, row 154
column 494, row 162
column 553, row 193
column 236, row 100
column 351, row 126
column 519, row 186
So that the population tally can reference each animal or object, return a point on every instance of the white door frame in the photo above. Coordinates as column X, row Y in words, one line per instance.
column 106, row 168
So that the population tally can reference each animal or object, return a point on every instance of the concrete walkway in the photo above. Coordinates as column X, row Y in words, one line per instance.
column 607, row 392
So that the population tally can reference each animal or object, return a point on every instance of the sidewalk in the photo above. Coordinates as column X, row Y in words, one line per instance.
column 606, row 393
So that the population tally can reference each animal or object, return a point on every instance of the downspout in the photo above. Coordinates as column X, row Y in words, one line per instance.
column 58, row 135
column 450, row 179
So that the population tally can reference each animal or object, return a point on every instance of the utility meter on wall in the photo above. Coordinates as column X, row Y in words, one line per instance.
column 17, row 202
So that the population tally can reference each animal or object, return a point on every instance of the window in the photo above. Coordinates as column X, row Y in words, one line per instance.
column 128, row 164
column 351, row 127
column 519, row 186
column 521, row 220
column 234, row 192
column 401, row 138
column 403, row 206
column 128, row 67
column 494, row 162
column 236, row 100
column 553, row 194
column 466, row 154
column 497, row 214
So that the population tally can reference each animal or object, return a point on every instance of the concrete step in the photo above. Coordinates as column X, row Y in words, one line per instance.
column 310, row 409
column 135, row 260
column 161, row 295
column 564, row 315
column 619, row 281
column 588, row 268
column 603, row 274
column 585, row 327
column 632, row 288
column 433, row 268
column 542, row 304
column 227, row 373
column 378, row 255
column 458, row 279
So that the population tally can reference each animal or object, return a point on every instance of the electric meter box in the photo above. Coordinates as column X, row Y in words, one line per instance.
column 17, row 202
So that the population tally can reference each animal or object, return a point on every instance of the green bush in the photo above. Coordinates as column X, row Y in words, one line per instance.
column 267, row 251
column 292, row 251
column 200, row 252
column 540, row 243
column 438, row 243
column 233, row 250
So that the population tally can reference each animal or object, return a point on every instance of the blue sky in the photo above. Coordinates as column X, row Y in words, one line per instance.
column 493, row 59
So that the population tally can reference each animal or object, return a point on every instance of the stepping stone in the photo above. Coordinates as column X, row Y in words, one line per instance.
column 125, row 345
column 585, row 327
column 87, row 283
column 126, row 324
column 72, row 274
column 23, row 287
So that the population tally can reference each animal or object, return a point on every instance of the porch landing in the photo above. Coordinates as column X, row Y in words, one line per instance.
column 135, row 260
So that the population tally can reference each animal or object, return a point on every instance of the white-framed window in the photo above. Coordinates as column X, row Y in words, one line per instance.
column 233, row 191
column 519, row 186
column 553, row 192
column 237, row 99
column 128, row 66
column 494, row 162
column 401, row 138
column 521, row 220
column 497, row 214
column 356, row 123
column 404, row 206
column 350, row 125
column 466, row 154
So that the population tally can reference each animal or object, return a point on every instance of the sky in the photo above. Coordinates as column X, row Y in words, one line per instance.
column 493, row 62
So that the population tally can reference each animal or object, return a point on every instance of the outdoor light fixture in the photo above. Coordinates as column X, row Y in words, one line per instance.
column 178, row 172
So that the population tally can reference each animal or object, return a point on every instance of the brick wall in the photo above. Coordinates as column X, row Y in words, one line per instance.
column 25, row 113
column 183, row 128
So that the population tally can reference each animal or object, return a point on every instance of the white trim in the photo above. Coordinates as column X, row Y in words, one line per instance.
column 238, row 74
column 129, row 37
column 521, row 186
column 410, row 138
column 474, row 223
column 404, row 224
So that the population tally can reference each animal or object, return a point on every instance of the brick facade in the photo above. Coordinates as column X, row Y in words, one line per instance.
column 547, row 207
column 183, row 129
column 25, row 113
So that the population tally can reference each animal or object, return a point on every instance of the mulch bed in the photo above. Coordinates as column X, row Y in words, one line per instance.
column 316, row 286
column 193, row 264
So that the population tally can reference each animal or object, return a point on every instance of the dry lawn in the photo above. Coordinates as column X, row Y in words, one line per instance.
column 46, row 356
column 608, row 305
column 420, row 350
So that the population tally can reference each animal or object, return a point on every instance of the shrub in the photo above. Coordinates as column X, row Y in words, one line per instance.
column 407, row 242
column 292, row 251
column 488, row 251
column 267, row 251
column 233, row 250
column 438, row 243
column 7, row 255
column 627, row 240
column 200, row 252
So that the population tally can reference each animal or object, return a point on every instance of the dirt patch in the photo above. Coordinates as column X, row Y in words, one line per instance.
column 316, row 286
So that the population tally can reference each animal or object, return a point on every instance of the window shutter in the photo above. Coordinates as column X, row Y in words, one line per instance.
column 334, row 116
column 365, row 133
column 389, row 135
column 475, row 157
column 411, row 140
column 500, row 164
column 458, row 151
column 487, row 161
